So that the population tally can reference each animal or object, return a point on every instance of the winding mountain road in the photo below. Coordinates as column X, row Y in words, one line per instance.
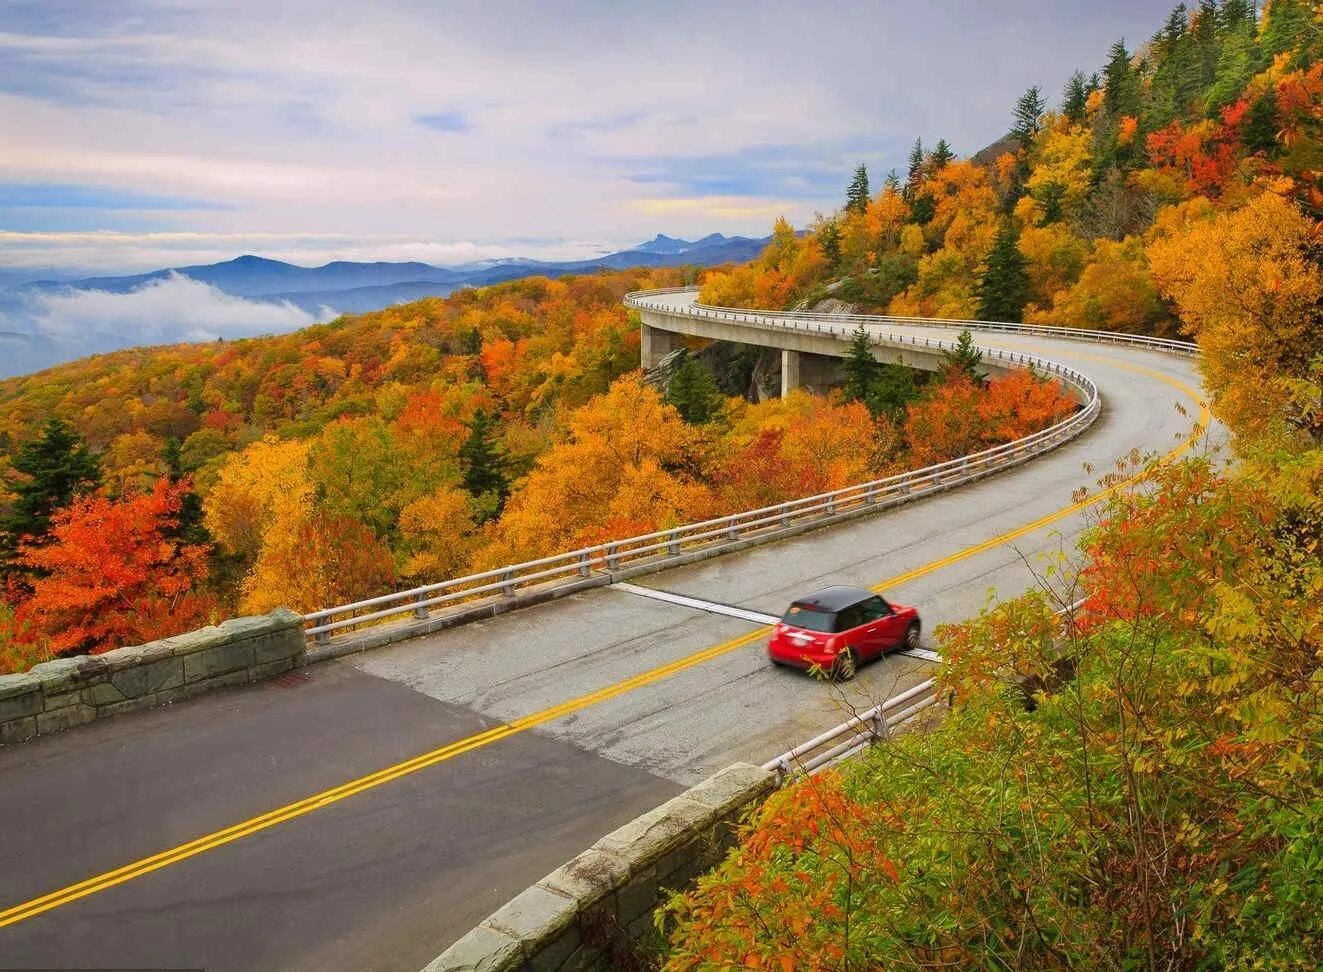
column 363, row 813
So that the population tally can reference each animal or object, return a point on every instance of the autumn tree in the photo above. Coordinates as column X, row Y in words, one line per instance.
column 437, row 534
column 312, row 559
column 110, row 574
column 1249, row 288
column 626, row 467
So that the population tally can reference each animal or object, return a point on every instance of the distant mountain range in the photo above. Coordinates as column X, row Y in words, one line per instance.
column 347, row 287
column 46, row 321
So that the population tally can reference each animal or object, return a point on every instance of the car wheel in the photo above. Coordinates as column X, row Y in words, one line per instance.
column 912, row 635
column 845, row 666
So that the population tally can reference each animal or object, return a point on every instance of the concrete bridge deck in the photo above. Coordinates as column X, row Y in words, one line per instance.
column 631, row 699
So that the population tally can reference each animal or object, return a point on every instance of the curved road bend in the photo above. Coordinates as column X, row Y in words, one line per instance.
column 385, row 876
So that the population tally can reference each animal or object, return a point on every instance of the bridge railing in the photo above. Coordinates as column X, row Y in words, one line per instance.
column 728, row 531
column 641, row 299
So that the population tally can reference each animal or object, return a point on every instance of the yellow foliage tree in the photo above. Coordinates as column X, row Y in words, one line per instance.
column 1065, row 159
column 625, row 468
column 1054, row 258
column 241, row 506
column 1249, row 287
column 437, row 533
column 1115, row 292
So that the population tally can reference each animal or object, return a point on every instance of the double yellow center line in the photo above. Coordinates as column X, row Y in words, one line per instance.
column 291, row 811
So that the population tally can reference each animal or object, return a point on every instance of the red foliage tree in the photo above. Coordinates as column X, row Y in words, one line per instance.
column 111, row 575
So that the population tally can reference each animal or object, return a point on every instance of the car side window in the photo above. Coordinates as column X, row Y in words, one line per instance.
column 851, row 617
column 875, row 609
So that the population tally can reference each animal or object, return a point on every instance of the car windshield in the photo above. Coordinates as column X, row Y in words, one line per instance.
column 810, row 618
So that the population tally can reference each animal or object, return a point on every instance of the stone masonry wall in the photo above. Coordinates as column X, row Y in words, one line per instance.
column 596, row 911
column 67, row 692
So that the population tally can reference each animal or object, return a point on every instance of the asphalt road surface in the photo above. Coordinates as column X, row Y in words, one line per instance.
column 543, row 730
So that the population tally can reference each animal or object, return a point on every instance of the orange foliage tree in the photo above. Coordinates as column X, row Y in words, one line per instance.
column 957, row 416
column 112, row 575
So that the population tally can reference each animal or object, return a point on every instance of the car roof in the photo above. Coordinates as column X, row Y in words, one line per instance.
column 834, row 598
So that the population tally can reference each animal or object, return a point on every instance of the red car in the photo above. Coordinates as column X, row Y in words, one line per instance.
column 839, row 628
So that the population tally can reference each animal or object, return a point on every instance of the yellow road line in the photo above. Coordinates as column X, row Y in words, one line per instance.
column 291, row 811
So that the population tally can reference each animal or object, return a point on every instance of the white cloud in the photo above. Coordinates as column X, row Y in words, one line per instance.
column 165, row 311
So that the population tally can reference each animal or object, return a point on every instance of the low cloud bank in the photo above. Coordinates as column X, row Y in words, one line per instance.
column 174, row 308
column 47, row 328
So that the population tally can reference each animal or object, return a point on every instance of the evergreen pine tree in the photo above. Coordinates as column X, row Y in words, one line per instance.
column 1238, row 55
column 829, row 239
column 188, row 528
column 941, row 155
column 883, row 388
column 1286, row 26
column 1261, row 126
column 1075, row 99
column 856, row 196
column 893, row 389
column 1204, row 36
column 915, row 170
column 1003, row 288
column 483, row 466
column 1173, row 56
column 1052, row 196
column 1121, row 90
column 892, row 181
column 964, row 357
column 861, row 368
column 693, row 391
column 1028, row 116
column 57, row 467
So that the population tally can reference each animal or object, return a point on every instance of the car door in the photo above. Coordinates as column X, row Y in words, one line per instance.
column 850, row 625
column 884, row 629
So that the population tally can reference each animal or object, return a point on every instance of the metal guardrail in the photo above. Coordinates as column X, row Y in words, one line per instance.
column 656, row 548
column 866, row 729
column 855, row 734
column 567, row 567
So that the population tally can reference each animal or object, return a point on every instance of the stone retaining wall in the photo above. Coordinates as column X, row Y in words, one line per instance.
column 67, row 692
column 596, row 911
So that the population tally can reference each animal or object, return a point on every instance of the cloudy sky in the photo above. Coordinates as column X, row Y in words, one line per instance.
column 144, row 133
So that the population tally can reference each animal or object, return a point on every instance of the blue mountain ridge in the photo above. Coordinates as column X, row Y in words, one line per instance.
column 370, row 286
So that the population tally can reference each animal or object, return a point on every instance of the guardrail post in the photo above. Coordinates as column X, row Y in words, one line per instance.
column 420, row 612
column 732, row 530
column 321, row 637
column 612, row 556
column 880, row 728
column 507, row 583
column 672, row 543
column 870, row 495
column 831, row 505
column 585, row 565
